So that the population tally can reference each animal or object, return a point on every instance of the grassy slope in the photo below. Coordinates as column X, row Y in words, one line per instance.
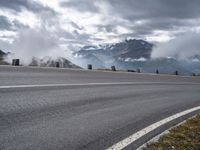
column 183, row 137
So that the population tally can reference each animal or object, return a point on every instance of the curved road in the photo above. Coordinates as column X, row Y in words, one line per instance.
column 63, row 109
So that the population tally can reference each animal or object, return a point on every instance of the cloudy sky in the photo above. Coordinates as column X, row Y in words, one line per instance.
column 38, row 27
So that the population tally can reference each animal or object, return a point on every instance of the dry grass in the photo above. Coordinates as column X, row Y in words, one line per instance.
column 183, row 137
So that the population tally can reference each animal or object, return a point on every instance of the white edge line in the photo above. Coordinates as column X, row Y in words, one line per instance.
column 90, row 84
column 127, row 141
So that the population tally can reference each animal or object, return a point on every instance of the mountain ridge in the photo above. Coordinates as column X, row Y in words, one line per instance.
column 133, row 54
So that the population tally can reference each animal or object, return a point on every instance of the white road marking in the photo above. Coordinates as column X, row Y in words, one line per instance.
column 91, row 84
column 127, row 141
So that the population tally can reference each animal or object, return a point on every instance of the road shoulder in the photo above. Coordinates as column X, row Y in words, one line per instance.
column 185, row 136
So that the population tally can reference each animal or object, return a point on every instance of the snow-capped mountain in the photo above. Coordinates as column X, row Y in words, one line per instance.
column 129, row 48
column 133, row 54
column 105, row 55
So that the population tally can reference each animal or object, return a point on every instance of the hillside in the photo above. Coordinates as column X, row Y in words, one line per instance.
column 50, row 62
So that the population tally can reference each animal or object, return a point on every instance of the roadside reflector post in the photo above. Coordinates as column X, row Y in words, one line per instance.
column 176, row 72
column 57, row 65
column 113, row 68
column 194, row 74
column 15, row 62
column 157, row 71
column 89, row 67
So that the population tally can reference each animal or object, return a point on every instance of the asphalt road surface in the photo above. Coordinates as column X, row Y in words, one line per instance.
column 72, row 110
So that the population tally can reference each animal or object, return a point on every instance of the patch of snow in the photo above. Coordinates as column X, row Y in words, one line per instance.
column 142, row 59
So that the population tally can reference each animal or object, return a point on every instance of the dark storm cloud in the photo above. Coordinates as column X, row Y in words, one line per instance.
column 6, row 24
column 45, row 13
column 19, row 5
column 81, row 5
column 14, row 4
column 157, row 14
column 142, row 9
column 164, row 15
column 145, row 9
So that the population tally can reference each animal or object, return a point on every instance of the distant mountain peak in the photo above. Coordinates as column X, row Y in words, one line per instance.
column 105, row 54
column 134, row 48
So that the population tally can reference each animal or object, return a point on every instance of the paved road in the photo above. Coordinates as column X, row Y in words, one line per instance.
column 87, row 116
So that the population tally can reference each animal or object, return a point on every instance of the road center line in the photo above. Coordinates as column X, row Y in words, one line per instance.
column 127, row 141
column 92, row 84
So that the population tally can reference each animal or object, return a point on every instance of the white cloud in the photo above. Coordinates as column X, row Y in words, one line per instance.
column 182, row 47
column 106, row 21
column 31, row 43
